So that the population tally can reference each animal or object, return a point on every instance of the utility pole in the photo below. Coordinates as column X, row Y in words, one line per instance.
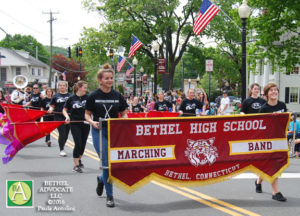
column 51, row 44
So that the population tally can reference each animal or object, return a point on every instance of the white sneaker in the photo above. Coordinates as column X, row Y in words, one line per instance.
column 62, row 153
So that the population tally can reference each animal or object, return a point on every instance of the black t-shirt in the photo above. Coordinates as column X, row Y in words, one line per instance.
column 58, row 101
column 76, row 106
column 45, row 104
column 35, row 100
column 162, row 106
column 105, row 105
column 190, row 106
column 137, row 108
column 252, row 105
column 279, row 108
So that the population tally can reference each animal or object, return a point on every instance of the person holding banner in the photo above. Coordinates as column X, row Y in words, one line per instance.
column 75, row 105
column 105, row 103
column 189, row 105
column 45, row 105
column 163, row 105
column 273, row 105
column 253, row 103
column 57, row 105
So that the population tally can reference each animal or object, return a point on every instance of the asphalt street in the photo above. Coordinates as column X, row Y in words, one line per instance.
column 43, row 165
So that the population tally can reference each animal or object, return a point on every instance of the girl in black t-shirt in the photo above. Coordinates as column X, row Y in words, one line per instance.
column 253, row 103
column 35, row 98
column 189, row 105
column 105, row 103
column 57, row 105
column 163, row 105
column 75, row 105
column 273, row 105
column 45, row 105
column 135, row 106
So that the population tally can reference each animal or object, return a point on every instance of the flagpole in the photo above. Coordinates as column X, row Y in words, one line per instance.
column 226, row 14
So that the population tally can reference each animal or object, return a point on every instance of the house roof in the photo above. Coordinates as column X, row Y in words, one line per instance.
column 26, row 57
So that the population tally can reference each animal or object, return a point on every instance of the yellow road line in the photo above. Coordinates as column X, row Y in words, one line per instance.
column 198, row 199
column 85, row 151
column 220, row 202
column 71, row 145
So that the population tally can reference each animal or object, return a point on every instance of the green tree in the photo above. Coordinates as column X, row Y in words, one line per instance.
column 26, row 43
column 276, row 25
column 149, row 21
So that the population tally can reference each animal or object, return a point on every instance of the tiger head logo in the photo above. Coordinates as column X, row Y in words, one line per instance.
column 201, row 152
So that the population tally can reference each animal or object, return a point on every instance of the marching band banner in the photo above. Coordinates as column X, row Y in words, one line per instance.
column 195, row 151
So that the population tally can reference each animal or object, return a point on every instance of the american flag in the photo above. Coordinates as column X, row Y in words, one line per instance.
column 135, row 45
column 121, row 63
column 129, row 70
column 205, row 15
column 64, row 75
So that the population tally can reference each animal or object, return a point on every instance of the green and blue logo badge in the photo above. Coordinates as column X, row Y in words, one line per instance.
column 19, row 194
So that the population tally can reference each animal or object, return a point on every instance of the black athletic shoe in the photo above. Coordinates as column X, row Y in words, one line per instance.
column 110, row 202
column 279, row 197
column 258, row 187
column 81, row 164
column 77, row 169
column 99, row 189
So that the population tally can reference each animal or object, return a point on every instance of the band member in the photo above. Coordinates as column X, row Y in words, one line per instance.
column 189, row 105
column 271, row 91
column 105, row 103
column 253, row 103
column 135, row 106
column 75, row 105
column 57, row 105
column 163, row 105
column 45, row 105
column 35, row 98
column 17, row 96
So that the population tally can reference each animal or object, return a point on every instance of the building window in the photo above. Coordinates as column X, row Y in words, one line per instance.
column 3, row 74
column 32, row 71
column 39, row 72
column 18, row 71
column 295, row 70
column 294, row 95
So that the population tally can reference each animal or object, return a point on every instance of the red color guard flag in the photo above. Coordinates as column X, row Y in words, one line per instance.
column 129, row 70
column 205, row 15
column 121, row 63
column 22, row 115
column 135, row 45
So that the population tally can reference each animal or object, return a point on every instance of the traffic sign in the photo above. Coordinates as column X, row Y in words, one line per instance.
column 209, row 66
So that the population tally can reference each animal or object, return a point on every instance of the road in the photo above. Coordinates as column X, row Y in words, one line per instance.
column 42, row 164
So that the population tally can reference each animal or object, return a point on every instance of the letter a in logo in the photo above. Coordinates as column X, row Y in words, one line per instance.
column 19, row 194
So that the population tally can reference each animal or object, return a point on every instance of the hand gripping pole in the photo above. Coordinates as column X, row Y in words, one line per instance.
column 101, row 142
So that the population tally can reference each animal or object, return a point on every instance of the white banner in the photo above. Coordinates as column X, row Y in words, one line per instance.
column 257, row 146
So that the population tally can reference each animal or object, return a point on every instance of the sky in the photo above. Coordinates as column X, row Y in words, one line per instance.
column 26, row 17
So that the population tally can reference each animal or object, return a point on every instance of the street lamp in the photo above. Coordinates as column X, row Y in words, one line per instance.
column 141, row 75
column 155, row 47
column 134, row 62
column 78, row 78
column 244, row 13
column 198, row 81
column 152, row 76
column 190, row 83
